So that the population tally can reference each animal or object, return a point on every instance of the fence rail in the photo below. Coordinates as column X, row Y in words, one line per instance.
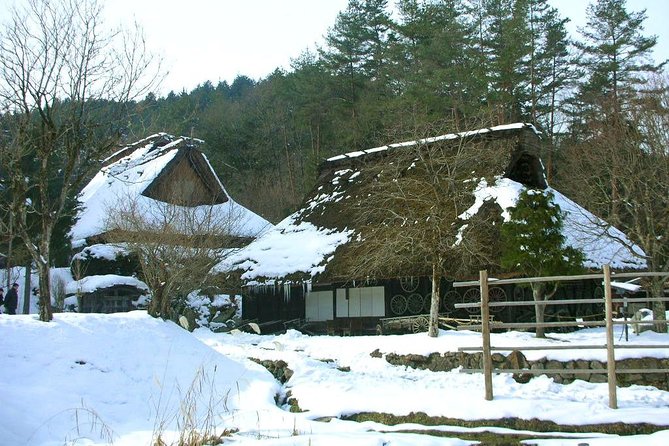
column 486, row 325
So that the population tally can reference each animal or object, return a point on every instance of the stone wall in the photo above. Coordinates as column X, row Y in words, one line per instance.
column 516, row 360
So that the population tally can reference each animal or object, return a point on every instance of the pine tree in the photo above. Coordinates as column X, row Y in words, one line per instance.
column 436, row 69
column 534, row 245
column 550, row 64
column 505, row 43
column 356, row 44
column 355, row 56
column 616, row 56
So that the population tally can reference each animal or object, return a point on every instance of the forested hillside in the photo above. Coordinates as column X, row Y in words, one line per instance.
column 72, row 90
column 430, row 67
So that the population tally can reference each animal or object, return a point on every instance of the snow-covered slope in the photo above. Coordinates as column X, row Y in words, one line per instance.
column 123, row 379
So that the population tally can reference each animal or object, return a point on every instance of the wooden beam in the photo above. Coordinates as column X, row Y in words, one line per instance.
column 485, row 333
column 561, row 347
column 494, row 282
column 610, row 352
column 568, row 371
column 564, row 302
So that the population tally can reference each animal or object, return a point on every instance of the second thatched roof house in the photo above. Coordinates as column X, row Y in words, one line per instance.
column 164, row 180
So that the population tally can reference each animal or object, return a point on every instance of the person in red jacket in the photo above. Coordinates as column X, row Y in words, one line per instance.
column 12, row 299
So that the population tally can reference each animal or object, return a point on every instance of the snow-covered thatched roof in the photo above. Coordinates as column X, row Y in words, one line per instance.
column 143, row 171
column 92, row 284
column 306, row 244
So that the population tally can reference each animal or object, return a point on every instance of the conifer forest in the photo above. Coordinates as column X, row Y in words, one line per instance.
column 390, row 71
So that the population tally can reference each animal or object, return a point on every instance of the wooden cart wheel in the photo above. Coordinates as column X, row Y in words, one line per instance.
column 599, row 293
column 409, row 284
column 448, row 300
column 420, row 324
column 427, row 302
column 415, row 303
column 472, row 295
column 519, row 293
column 496, row 294
column 398, row 304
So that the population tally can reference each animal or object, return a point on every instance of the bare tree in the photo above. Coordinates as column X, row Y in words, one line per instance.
column 177, row 246
column 64, row 81
column 410, row 213
column 621, row 172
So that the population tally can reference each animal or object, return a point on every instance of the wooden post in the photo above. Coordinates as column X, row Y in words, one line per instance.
column 610, row 353
column 485, row 333
column 27, row 290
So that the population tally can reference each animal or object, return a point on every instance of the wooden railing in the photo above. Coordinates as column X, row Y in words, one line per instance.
column 487, row 325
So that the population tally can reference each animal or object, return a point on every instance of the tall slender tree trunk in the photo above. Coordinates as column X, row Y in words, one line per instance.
column 44, row 272
column 9, row 248
column 156, row 305
column 659, row 308
column 27, row 290
column 289, row 167
column 433, row 330
column 538, row 293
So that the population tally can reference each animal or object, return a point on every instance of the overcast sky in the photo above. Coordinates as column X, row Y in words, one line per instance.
column 217, row 40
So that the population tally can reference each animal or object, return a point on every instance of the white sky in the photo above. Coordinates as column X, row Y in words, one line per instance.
column 219, row 39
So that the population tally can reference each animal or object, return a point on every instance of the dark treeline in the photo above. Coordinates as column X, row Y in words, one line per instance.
column 383, row 77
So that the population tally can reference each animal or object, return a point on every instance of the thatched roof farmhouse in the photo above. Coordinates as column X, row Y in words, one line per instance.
column 151, row 175
column 309, row 252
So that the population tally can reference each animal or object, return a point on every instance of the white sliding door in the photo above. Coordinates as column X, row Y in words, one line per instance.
column 319, row 306
column 361, row 302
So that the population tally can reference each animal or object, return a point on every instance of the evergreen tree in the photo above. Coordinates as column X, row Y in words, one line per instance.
column 355, row 55
column 505, row 43
column 533, row 245
column 550, row 64
column 615, row 55
column 356, row 44
column 437, row 73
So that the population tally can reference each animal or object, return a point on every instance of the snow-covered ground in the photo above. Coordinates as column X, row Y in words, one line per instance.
column 124, row 379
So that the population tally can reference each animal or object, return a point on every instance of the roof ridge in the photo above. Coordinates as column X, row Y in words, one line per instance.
column 447, row 136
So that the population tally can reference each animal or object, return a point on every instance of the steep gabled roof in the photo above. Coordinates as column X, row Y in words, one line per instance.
column 307, row 243
column 150, row 172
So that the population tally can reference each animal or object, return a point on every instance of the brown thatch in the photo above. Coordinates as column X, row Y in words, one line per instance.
column 509, row 151
column 187, row 180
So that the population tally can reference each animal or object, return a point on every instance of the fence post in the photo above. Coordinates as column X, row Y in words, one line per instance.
column 610, row 352
column 485, row 332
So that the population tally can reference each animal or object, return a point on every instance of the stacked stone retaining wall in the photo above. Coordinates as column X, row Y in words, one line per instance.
column 516, row 360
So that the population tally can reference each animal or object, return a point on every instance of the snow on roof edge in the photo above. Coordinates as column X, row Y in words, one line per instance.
column 497, row 128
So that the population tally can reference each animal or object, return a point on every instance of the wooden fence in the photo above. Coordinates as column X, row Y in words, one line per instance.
column 487, row 325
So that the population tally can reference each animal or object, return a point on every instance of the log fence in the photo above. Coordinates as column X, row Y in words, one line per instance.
column 487, row 325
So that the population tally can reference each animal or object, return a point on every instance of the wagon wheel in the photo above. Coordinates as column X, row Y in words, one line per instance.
column 427, row 302
column 472, row 295
column 519, row 293
column 398, row 304
column 496, row 294
column 448, row 300
column 598, row 293
column 415, row 303
column 420, row 324
column 522, row 313
column 409, row 284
